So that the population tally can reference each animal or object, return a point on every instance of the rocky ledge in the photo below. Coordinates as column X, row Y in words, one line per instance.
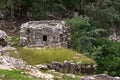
column 7, row 62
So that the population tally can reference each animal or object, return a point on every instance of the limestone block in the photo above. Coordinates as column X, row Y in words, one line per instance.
column 67, row 66
column 72, row 67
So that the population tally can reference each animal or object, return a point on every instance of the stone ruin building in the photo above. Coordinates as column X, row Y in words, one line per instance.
column 49, row 33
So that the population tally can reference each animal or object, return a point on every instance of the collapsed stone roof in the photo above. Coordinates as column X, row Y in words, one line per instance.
column 42, row 24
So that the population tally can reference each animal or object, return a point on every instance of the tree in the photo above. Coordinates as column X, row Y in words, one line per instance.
column 84, row 34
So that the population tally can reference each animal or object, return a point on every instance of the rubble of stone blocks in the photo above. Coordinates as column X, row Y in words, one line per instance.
column 74, row 68
column 48, row 33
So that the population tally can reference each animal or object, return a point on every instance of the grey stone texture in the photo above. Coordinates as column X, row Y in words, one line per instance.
column 48, row 33
column 74, row 68
column 3, row 35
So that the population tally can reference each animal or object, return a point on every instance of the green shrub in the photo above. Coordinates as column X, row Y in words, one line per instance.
column 87, row 36
column 84, row 34
column 108, row 58
column 15, row 39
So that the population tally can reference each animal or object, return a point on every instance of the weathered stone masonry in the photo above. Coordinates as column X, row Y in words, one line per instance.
column 49, row 33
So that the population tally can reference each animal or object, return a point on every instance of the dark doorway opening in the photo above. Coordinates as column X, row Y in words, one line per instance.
column 44, row 37
column 3, row 42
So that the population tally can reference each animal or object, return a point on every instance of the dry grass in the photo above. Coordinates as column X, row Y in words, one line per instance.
column 38, row 56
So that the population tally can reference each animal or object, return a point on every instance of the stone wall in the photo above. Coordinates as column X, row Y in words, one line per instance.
column 49, row 33
column 74, row 68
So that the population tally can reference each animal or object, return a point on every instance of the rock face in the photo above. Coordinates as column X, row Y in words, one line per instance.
column 3, row 37
column 49, row 33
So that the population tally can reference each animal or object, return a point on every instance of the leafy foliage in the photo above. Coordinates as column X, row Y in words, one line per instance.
column 88, row 38
column 84, row 34
column 108, row 57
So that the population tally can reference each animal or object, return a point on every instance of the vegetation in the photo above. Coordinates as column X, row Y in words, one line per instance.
column 108, row 57
column 92, row 40
column 37, row 56
column 15, row 39
column 89, row 32
column 84, row 34
column 14, row 75
column 88, row 38
column 17, row 75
